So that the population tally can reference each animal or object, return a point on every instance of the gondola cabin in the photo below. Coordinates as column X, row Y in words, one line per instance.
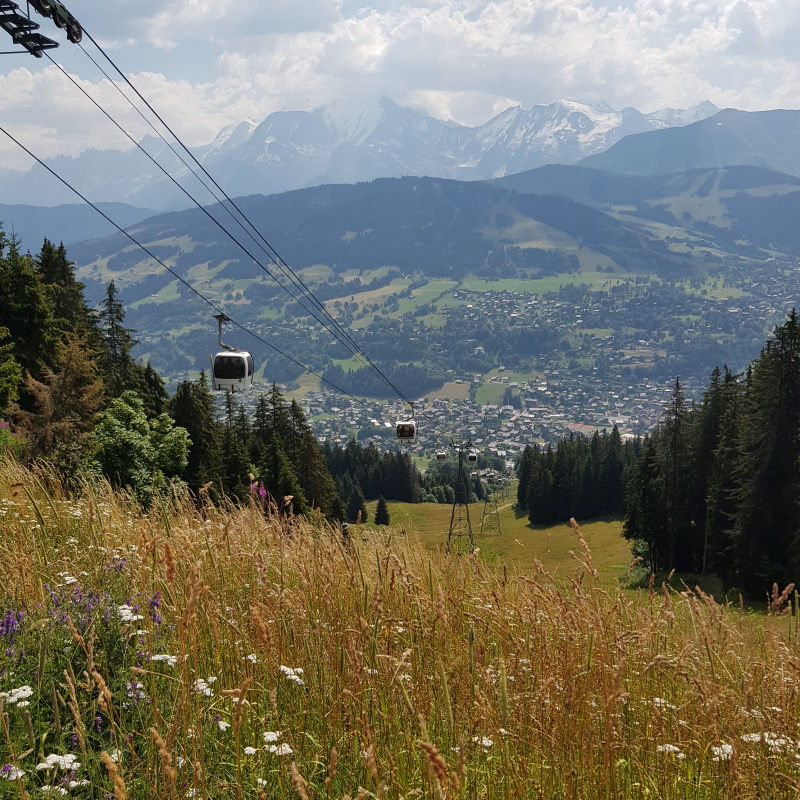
column 441, row 455
column 233, row 371
column 472, row 457
column 407, row 431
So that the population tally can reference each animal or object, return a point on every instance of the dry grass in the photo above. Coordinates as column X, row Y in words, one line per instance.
column 419, row 675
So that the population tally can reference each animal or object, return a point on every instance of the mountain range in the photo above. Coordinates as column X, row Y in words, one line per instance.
column 346, row 143
column 768, row 139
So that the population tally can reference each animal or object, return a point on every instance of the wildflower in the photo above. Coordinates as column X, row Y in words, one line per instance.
column 59, row 789
column 222, row 725
column 16, row 696
column 722, row 753
column 126, row 614
column 293, row 674
column 260, row 783
column 115, row 755
column 170, row 661
column 55, row 761
column 251, row 658
column 249, row 751
column 280, row 750
column 203, row 687
column 659, row 702
column 668, row 748
column 271, row 736
column 10, row 772
column 484, row 741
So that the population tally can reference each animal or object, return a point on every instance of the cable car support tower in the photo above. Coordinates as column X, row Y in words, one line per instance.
column 490, row 521
column 460, row 538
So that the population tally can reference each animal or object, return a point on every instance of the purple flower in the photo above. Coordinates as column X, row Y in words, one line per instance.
column 99, row 724
column 262, row 492
column 155, row 604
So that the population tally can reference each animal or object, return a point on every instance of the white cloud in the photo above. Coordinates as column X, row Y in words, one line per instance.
column 205, row 64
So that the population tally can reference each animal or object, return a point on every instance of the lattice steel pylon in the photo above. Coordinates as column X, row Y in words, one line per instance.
column 459, row 537
column 490, row 521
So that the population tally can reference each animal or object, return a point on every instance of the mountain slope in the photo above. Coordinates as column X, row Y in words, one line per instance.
column 767, row 139
column 67, row 223
column 346, row 143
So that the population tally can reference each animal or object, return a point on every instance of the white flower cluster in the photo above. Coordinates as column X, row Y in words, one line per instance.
column 293, row 674
column 17, row 696
column 203, row 686
column 126, row 614
column 223, row 725
column 659, row 702
column 484, row 741
column 276, row 749
column 11, row 773
column 55, row 761
column 722, row 753
column 772, row 740
column 170, row 661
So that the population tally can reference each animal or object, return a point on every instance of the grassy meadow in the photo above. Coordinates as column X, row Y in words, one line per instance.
column 201, row 652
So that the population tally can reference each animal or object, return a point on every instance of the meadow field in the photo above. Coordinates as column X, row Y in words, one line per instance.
column 204, row 652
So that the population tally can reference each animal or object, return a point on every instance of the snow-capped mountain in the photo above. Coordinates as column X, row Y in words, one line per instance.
column 346, row 143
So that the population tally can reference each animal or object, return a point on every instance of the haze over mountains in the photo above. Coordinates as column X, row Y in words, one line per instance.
column 346, row 143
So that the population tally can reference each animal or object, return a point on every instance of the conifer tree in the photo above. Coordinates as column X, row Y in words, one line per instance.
column 356, row 506
column 280, row 480
column 118, row 342
column 154, row 394
column 10, row 373
column 524, row 476
column 65, row 403
column 26, row 309
column 193, row 408
column 768, row 517
column 719, row 554
column 382, row 512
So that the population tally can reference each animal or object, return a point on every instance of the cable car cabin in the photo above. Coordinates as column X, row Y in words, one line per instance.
column 407, row 431
column 233, row 371
column 472, row 457
column 441, row 455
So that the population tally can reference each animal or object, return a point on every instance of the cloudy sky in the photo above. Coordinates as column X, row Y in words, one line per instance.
column 205, row 64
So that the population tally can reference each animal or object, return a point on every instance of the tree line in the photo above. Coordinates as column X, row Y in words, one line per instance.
column 717, row 487
column 714, row 489
column 581, row 477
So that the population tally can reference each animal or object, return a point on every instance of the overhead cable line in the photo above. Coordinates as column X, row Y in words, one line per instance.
column 176, row 275
column 311, row 312
column 271, row 252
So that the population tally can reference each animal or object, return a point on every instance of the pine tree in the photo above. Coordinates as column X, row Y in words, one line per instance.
column 69, row 306
column 382, row 512
column 26, row 309
column 524, row 476
column 280, row 480
column 193, row 408
column 10, row 373
column 719, row 554
column 154, row 394
column 646, row 519
column 118, row 342
column 356, row 506
column 65, row 403
column 768, row 518
column 235, row 465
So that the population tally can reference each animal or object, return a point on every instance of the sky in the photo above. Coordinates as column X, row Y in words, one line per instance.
column 205, row 64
